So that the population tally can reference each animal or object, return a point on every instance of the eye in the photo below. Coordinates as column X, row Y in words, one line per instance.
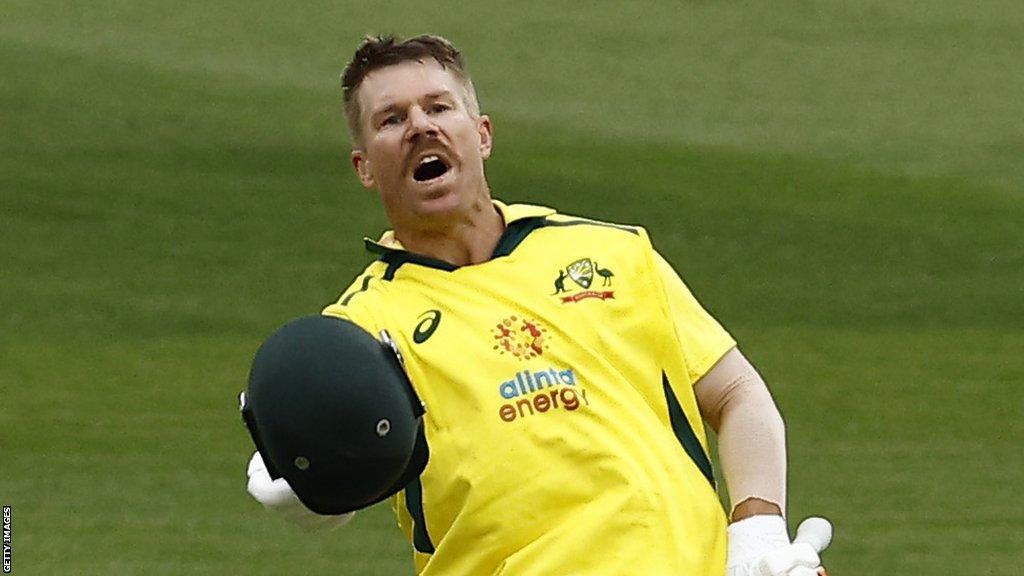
column 439, row 107
column 391, row 120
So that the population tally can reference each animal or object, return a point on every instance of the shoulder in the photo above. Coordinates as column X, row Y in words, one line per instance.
column 533, row 217
column 560, row 220
column 360, row 294
column 374, row 272
column 594, row 232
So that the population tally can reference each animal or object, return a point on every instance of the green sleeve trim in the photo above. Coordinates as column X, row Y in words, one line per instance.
column 414, row 504
column 684, row 432
column 365, row 285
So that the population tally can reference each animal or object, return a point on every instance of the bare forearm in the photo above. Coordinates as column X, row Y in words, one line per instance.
column 751, row 436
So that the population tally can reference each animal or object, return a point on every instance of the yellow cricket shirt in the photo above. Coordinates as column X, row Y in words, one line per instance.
column 563, row 432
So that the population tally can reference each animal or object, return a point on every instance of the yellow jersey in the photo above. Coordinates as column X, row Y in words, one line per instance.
column 563, row 433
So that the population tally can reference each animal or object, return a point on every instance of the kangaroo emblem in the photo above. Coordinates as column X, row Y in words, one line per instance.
column 560, row 282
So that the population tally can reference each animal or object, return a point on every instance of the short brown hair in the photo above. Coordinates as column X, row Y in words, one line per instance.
column 378, row 52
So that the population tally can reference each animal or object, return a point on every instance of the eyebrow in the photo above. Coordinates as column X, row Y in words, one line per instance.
column 438, row 94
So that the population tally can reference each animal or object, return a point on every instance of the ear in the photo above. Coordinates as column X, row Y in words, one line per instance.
column 485, row 130
column 362, row 166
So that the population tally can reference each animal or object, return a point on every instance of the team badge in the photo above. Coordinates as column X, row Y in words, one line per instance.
column 583, row 272
column 520, row 337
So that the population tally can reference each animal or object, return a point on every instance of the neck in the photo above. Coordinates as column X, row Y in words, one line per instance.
column 468, row 239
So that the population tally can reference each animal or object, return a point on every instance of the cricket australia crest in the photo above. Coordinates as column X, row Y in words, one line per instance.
column 582, row 272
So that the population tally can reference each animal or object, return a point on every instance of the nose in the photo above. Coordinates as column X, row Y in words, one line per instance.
column 420, row 123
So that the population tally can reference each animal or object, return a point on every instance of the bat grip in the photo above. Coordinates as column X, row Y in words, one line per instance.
column 817, row 532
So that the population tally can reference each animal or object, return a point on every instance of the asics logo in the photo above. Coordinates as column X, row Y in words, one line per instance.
column 426, row 326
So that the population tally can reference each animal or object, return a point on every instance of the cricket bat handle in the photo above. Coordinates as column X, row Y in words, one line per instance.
column 815, row 531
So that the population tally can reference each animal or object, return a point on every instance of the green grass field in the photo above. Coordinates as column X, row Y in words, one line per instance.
column 842, row 184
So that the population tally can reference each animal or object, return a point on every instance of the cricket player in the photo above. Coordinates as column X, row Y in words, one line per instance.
column 566, row 370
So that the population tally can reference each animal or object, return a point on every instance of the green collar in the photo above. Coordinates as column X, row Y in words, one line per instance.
column 520, row 220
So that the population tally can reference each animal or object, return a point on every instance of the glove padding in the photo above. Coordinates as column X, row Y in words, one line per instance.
column 760, row 546
column 278, row 496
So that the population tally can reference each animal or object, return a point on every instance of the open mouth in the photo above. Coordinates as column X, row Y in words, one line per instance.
column 430, row 167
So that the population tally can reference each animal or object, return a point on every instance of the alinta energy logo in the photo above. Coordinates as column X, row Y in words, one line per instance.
column 536, row 392
column 532, row 392
column 583, row 273
column 520, row 337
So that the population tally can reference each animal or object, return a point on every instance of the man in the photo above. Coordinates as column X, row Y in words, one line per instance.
column 563, row 416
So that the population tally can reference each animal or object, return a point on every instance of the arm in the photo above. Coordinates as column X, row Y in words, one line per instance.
column 735, row 401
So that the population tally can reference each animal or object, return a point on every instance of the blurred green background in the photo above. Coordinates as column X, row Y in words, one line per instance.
column 842, row 184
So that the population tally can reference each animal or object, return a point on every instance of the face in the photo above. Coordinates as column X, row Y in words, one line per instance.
column 422, row 150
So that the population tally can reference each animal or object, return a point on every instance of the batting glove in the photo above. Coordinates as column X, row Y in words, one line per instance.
column 278, row 496
column 760, row 546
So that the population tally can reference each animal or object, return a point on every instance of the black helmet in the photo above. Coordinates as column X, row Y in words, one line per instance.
column 332, row 411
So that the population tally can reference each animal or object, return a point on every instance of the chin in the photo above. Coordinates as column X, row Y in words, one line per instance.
column 441, row 198
column 440, row 204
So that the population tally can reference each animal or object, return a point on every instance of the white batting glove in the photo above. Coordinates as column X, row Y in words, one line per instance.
column 278, row 496
column 760, row 546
